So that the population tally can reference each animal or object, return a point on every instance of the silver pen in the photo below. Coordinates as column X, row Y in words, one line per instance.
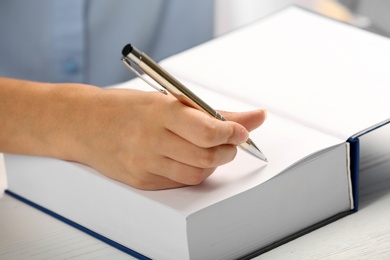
column 131, row 55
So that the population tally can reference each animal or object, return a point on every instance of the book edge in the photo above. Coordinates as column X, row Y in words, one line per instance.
column 88, row 231
column 296, row 235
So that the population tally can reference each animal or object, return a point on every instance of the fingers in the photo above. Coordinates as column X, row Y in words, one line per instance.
column 181, row 150
column 150, row 181
column 181, row 173
column 162, row 173
column 203, row 130
column 188, row 164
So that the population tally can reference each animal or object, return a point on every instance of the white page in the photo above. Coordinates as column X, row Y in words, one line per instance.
column 320, row 72
column 284, row 142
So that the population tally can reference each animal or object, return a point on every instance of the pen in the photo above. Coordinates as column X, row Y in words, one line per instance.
column 177, row 89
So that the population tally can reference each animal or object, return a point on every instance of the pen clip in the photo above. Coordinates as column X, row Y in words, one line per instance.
column 128, row 64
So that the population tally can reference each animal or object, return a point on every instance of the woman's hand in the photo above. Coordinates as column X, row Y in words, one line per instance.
column 143, row 139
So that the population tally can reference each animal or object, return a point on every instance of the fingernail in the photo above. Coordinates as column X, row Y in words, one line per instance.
column 265, row 113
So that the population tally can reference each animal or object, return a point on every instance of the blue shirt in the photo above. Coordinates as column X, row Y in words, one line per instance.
column 81, row 40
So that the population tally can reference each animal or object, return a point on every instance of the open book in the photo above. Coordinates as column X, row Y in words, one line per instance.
column 324, row 84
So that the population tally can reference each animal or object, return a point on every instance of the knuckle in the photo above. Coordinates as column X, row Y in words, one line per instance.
column 216, row 156
column 230, row 133
column 208, row 158
column 232, row 154
column 140, row 184
column 209, row 133
column 196, row 179
column 198, row 176
column 139, row 181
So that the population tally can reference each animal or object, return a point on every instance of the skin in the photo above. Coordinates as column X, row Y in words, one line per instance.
column 143, row 139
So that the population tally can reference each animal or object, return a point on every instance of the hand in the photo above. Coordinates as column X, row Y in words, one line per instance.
column 152, row 141
column 144, row 139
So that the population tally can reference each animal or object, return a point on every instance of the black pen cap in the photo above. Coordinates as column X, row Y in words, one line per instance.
column 127, row 49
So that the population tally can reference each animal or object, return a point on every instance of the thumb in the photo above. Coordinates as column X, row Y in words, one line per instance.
column 250, row 119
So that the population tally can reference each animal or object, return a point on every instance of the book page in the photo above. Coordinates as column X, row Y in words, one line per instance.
column 314, row 70
column 374, row 176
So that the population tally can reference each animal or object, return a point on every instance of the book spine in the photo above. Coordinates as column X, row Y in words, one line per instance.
column 355, row 161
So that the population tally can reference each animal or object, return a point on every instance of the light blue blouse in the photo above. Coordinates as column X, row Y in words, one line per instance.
column 81, row 40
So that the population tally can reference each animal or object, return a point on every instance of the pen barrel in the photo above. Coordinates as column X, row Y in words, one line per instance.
column 175, row 87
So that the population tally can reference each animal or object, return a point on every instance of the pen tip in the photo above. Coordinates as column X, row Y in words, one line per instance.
column 252, row 149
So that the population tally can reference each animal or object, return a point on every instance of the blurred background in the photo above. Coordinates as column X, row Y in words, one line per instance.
column 371, row 15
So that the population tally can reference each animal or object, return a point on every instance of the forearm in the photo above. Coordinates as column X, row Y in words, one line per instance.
column 33, row 117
